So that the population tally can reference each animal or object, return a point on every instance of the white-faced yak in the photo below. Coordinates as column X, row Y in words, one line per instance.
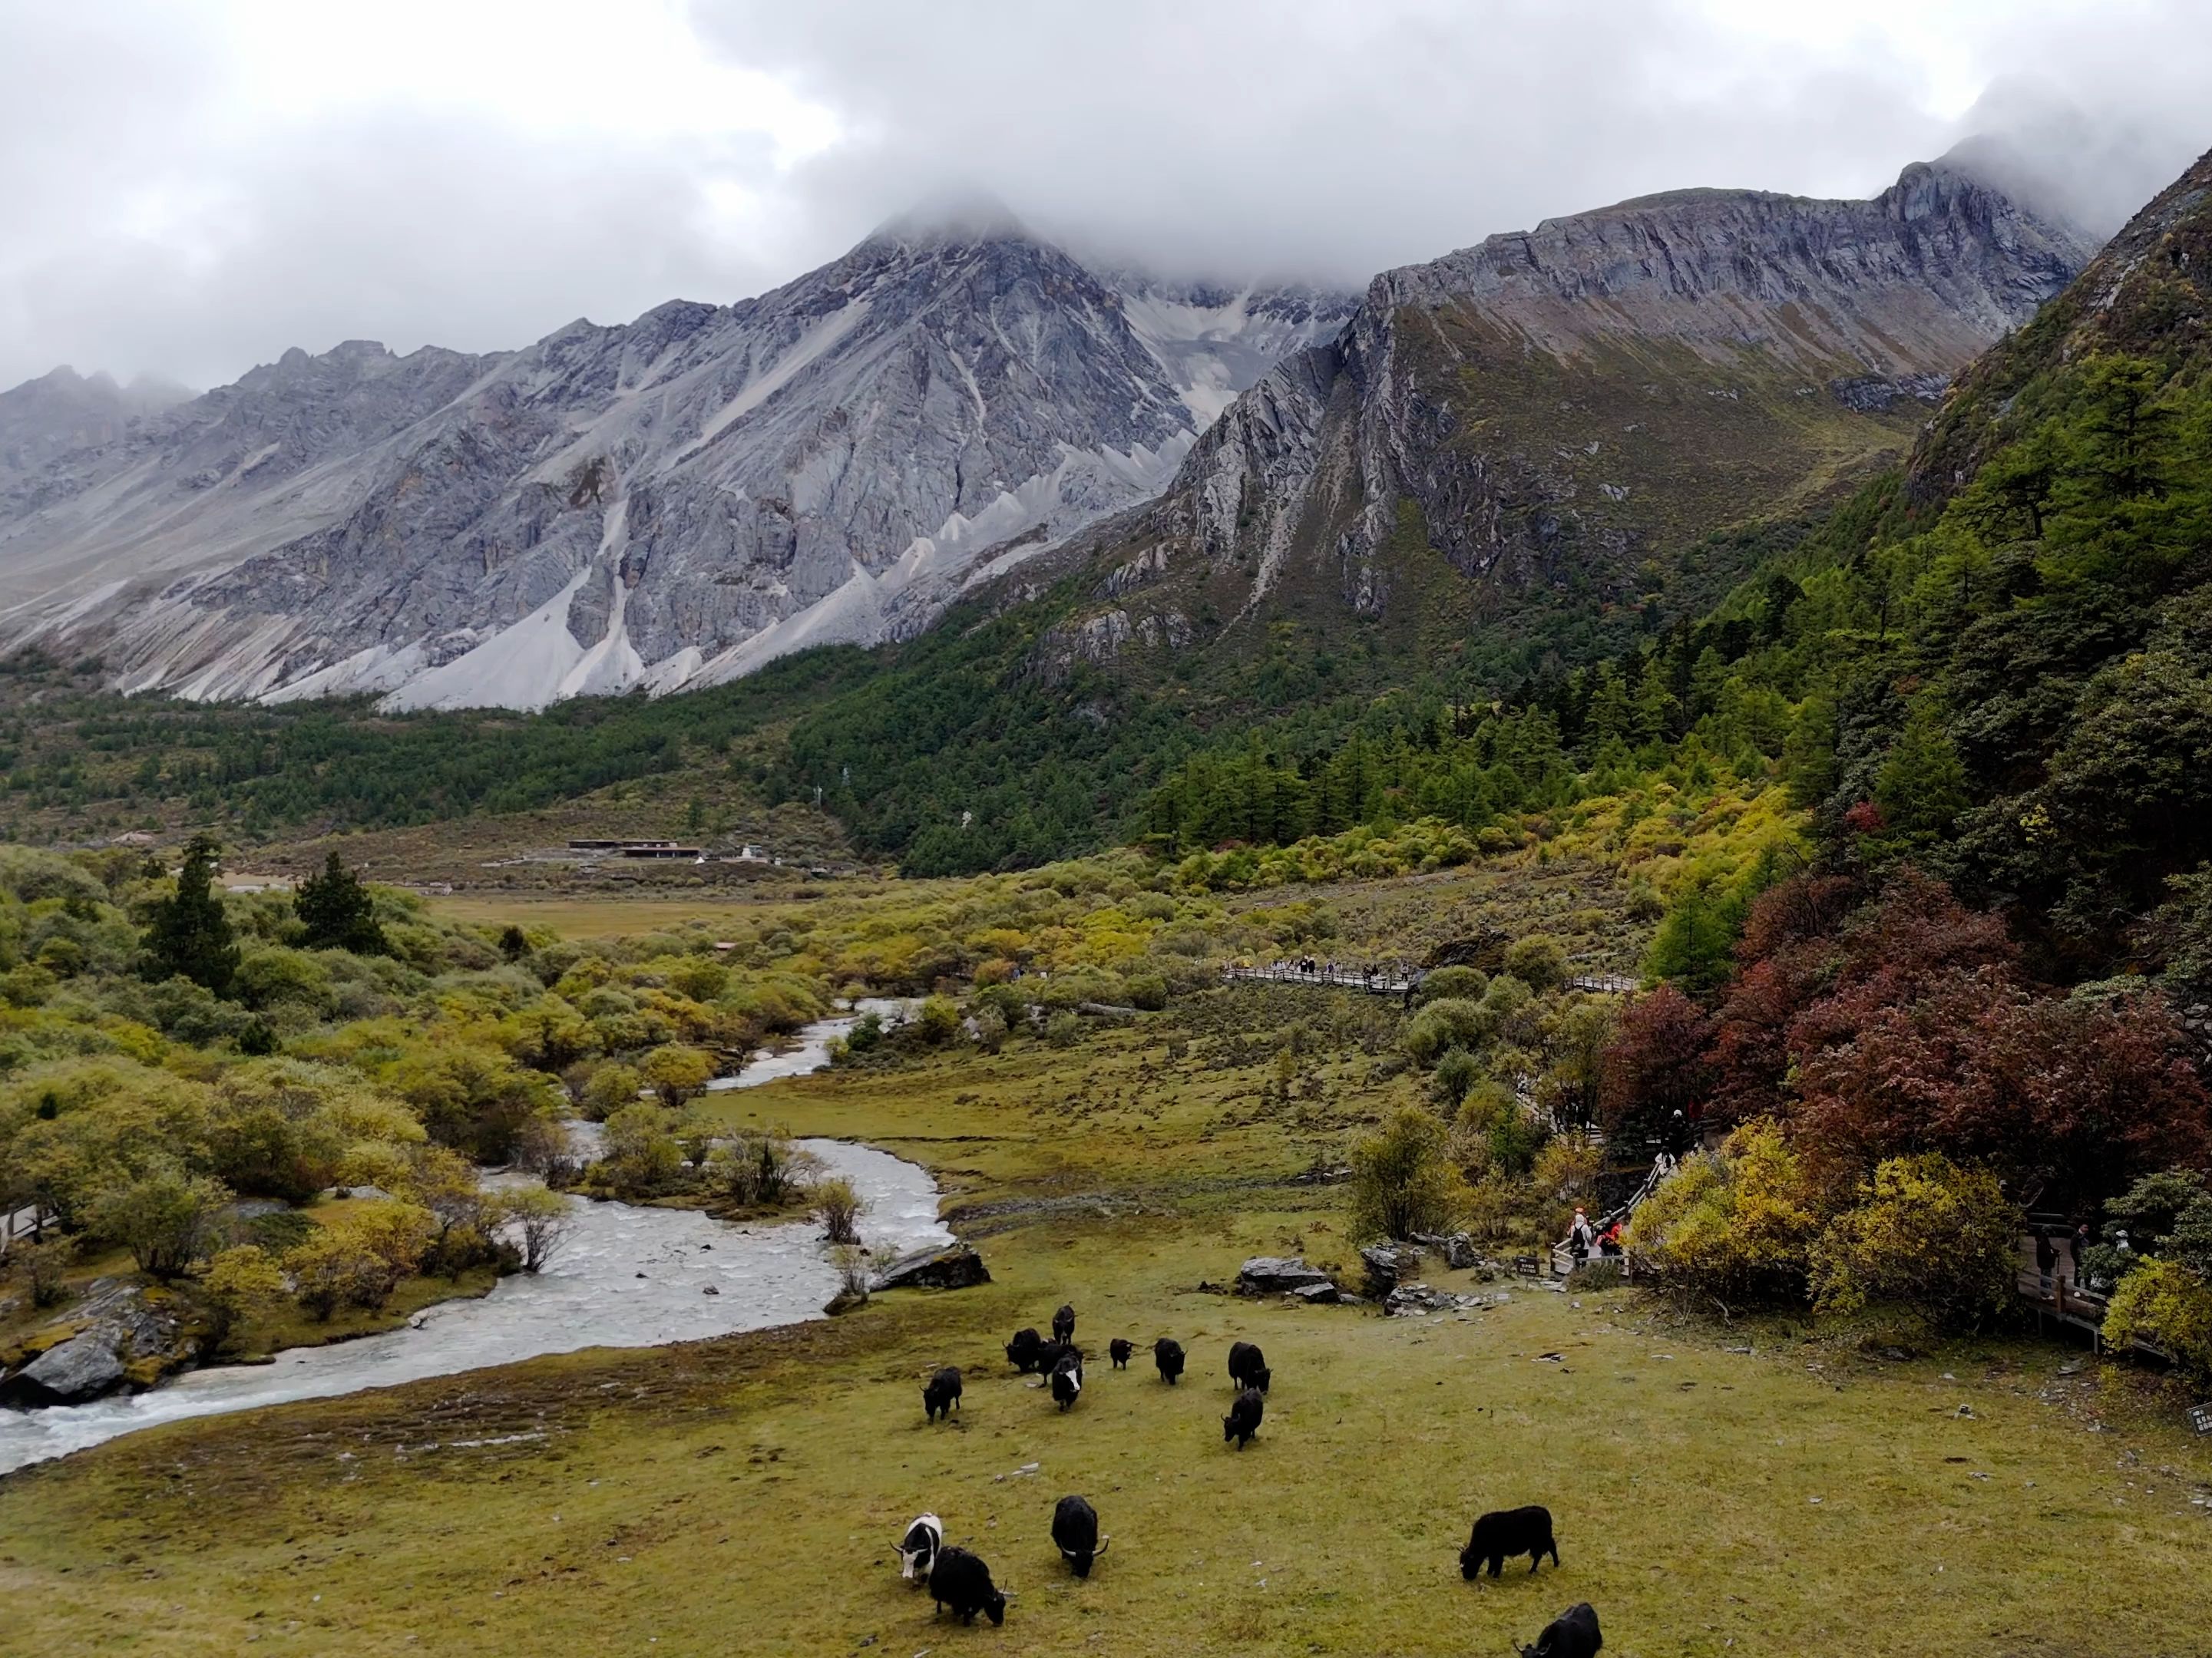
column 1067, row 1380
column 918, row 1548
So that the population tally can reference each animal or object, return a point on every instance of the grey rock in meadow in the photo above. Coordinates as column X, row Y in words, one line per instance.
column 1271, row 1275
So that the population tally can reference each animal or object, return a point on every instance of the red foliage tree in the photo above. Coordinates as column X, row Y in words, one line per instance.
column 1655, row 1066
column 2068, row 1101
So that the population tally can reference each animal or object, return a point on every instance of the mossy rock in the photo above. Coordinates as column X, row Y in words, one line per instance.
column 51, row 1335
column 144, row 1373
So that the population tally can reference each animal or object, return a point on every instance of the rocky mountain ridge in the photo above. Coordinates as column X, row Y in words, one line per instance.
column 666, row 503
column 1547, row 411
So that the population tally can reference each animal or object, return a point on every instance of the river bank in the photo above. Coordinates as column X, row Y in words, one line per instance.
column 626, row 1276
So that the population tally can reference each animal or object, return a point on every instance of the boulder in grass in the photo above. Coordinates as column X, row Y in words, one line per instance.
column 953, row 1267
column 1457, row 1248
column 1324, row 1294
column 1387, row 1263
column 1275, row 1275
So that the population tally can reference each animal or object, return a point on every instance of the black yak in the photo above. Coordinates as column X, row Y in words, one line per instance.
column 1509, row 1531
column 918, row 1548
column 1248, row 1366
column 1167, row 1353
column 1572, row 1634
column 1049, row 1353
column 1067, row 1380
column 1119, row 1351
column 942, row 1396
column 961, row 1581
column 1242, row 1422
column 1022, row 1351
column 1063, row 1323
column 1075, row 1530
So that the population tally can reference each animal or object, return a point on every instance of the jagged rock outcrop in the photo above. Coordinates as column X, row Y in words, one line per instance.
column 670, row 502
column 1547, row 411
column 60, row 413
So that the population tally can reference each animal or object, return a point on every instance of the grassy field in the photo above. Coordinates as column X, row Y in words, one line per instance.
column 742, row 1496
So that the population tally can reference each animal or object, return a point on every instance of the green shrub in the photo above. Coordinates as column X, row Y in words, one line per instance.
column 1452, row 982
column 939, row 1020
column 1063, row 1030
column 1538, row 960
column 2165, row 1304
column 1402, row 1178
column 1736, row 1227
column 1457, row 1073
column 166, row 1218
column 1925, row 1234
column 1148, row 991
column 1452, row 1022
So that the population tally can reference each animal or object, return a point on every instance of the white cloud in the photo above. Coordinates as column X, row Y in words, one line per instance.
column 191, row 188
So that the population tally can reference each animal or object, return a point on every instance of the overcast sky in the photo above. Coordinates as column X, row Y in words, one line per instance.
column 187, row 187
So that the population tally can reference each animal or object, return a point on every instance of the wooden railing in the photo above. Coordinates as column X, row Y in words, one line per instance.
column 1383, row 981
column 1563, row 1251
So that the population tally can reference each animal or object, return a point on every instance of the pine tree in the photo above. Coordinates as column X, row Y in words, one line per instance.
column 338, row 913
column 187, row 934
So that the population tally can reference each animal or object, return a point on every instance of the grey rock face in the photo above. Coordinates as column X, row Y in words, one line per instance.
column 670, row 502
column 1870, row 303
column 83, row 1366
column 120, row 1328
column 60, row 413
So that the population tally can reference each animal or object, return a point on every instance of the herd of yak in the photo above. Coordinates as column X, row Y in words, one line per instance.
column 959, row 1579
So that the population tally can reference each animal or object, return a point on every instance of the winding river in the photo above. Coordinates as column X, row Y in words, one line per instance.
column 625, row 1276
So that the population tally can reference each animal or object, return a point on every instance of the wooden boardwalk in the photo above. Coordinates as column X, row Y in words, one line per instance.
column 1383, row 981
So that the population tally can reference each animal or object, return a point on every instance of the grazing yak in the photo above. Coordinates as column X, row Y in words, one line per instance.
column 1167, row 1353
column 1242, row 1422
column 1075, row 1529
column 1067, row 1380
column 918, row 1548
column 1022, row 1351
column 1119, row 1351
column 1049, row 1353
column 1248, row 1366
column 942, row 1396
column 1508, row 1532
column 961, row 1581
column 1572, row 1634
column 1063, row 1323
